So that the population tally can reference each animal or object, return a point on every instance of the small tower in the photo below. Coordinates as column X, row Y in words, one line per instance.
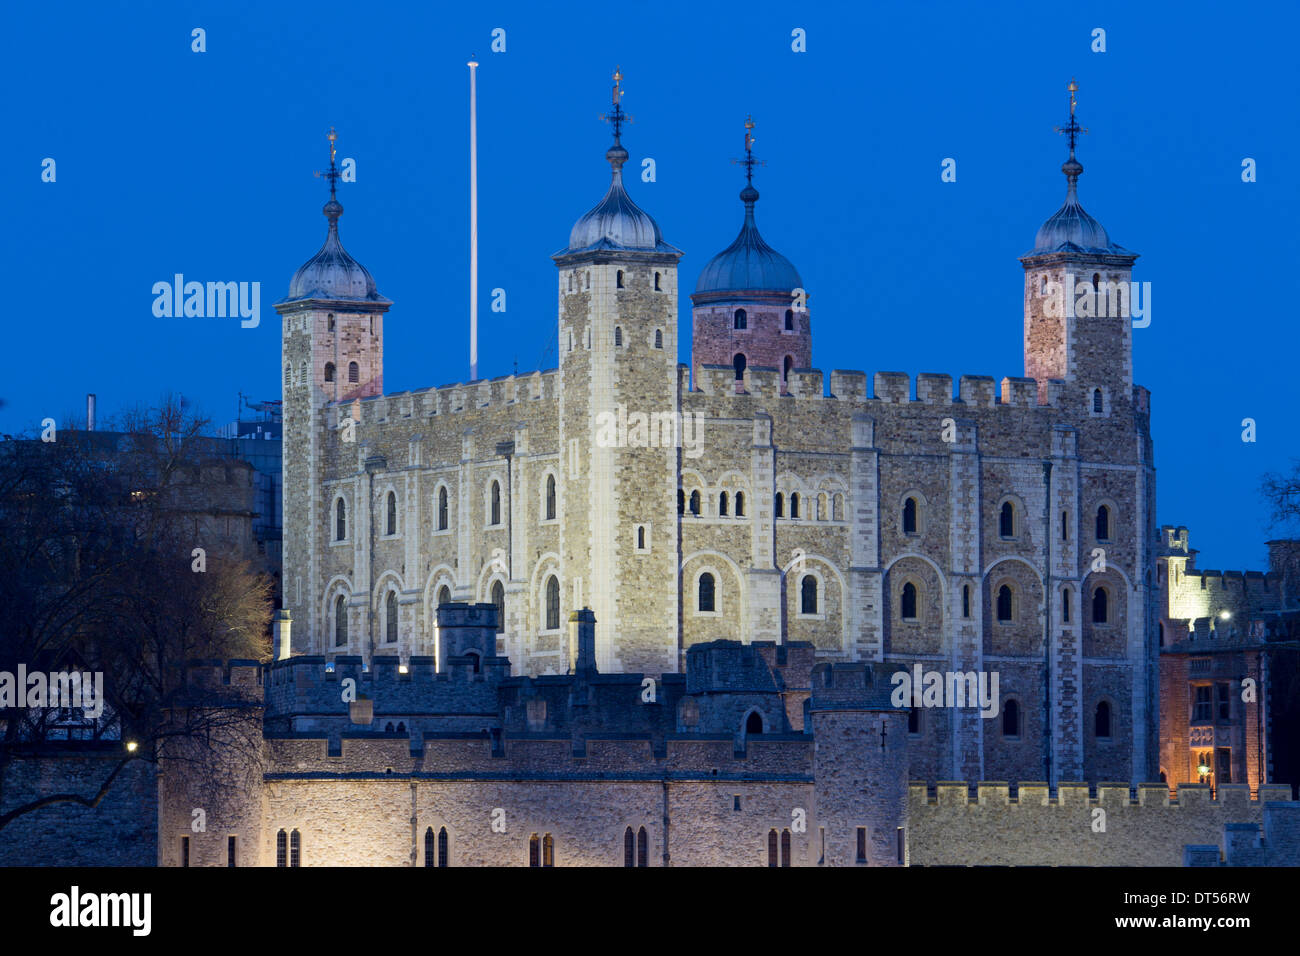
column 750, row 309
column 332, row 351
column 1077, row 309
column 618, row 424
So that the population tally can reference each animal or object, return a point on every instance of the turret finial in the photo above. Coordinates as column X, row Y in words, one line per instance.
column 333, row 208
column 1072, row 167
column 749, row 162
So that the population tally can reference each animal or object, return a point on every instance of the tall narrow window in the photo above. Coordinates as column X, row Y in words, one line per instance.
column 1099, row 606
column 1007, row 520
column 618, row 279
column 495, row 509
column 1098, row 405
column 340, row 622
column 1004, row 604
column 232, row 857
column 642, row 847
column 548, row 850
column 550, row 497
column 330, row 321
column 1065, row 606
column 629, row 847
column 391, row 526
column 909, row 601
column 1103, row 523
column 442, row 846
column 706, row 598
column 739, row 320
column 442, row 509
column 681, row 501
column 787, row 367
column 695, row 503
column 552, row 603
column 618, row 336
column 1102, row 727
column 785, row 847
column 499, row 599
column 281, row 848
column 808, row 595
column 789, row 320
column 794, row 504
column 429, row 858
column 772, row 852
column 965, row 600
column 739, row 364
column 909, row 516
column 1011, row 719
column 740, row 504
column 329, row 371
column 390, row 618
column 722, row 504
column 354, row 373
column 780, row 505
column 862, row 844
column 659, row 338
column 295, row 849
column 657, row 288
column 185, row 851
column 534, row 851
column 340, row 521
column 640, row 538
column 1065, row 526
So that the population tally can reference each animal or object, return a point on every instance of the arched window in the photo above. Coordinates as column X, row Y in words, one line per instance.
column 789, row 320
column 499, row 599
column 552, row 603
column 618, row 336
column 329, row 371
column 1103, row 523
column 1007, row 520
column 340, row 521
column 772, row 858
column 1065, row 526
column 965, row 600
column 534, row 851
column 706, row 599
column 340, row 621
column 808, row 595
column 909, row 516
column 794, row 504
column 1102, row 726
column 629, row 847
column 390, row 618
column 1004, row 604
column 295, row 849
column 681, row 501
column 659, row 338
column 391, row 526
column 1099, row 608
column 281, row 848
column 739, row 363
column 494, row 516
column 640, row 538
column 837, row 508
column 1065, row 606
column 740, row 504
column 739, row 320
column 785, row 847
column 548, row 850
column 695, row 502
column 435, row 854
column 444, row 595
column 354, row 372
column 786, row 367
column 1011, row 719
column 780, row 505
column 823, row 506
column 442, row 509
column 1098, row 406
column 550, row 497
column 288, row 373
column 754, row 724
column 642, row 848
column 473, row 660
column 302, row 374
column 618, row 279
column 330, row 321
column 722, row 504
column 909, row 601
column 657, row 289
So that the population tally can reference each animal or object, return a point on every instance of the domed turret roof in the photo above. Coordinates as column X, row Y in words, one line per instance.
column 616, row 222
column 749, row 264
column 332, row 273
column 1071, row 229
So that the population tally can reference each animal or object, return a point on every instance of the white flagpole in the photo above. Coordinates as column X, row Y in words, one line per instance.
column 473, row 224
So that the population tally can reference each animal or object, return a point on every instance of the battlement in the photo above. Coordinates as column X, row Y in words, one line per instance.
column 948, row 793
column 852, row 685
column 504, row 390
column 762, row 667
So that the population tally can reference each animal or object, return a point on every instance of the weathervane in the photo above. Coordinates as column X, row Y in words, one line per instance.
column 333, row 174
column 749, row 162
column 616, row 117
column 1072, row 129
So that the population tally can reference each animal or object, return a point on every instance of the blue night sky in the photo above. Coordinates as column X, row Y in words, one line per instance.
column 172, row 161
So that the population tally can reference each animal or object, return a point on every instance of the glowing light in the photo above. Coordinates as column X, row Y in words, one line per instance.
column 1204, row 770
column 132, row 746
column 401, row 669
column 1224, row 615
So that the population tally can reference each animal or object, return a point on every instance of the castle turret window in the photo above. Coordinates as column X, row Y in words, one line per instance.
column 340, row 621
column 1103, row 523
column 1098, row 402
column 550, row 498
column 340, row 520
column 442, row 509
column 499, row 599
column 909, row 602
column 552, row 603
column 1007, row 520
column 909, row 516
column 789, row 320
column 494, row 506
column 618, row 336
column 659, row 338
column 1100, row 600
column 354, row 373
column 1005, row 604
column 390, row 618
column 329, row 371
column 808, row 595
column 657, row 289
column 706, row 595
column 739, row 320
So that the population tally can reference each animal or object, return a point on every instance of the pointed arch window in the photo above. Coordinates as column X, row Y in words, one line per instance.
column 808, row 595
column 442, row 509
column 354, row 373
column 739, row 320
column 706, row 599
column 340, row 520
column 754, row 724
column 550, row 498
column 909, row 602
column 390, row 618
column 552, row 603
column 499, row 599
column 494, row 507
column 340, row 621
column 1005, row 604
column 391, row 525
